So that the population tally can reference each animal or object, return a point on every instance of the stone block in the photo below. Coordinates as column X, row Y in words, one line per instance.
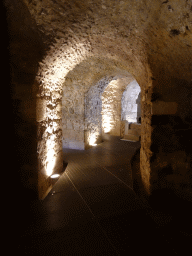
column 136, row 127
column 163, row 108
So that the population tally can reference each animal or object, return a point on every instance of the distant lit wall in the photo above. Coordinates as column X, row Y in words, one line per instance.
column 93, row 112
column 131, row 106
column 111, row 108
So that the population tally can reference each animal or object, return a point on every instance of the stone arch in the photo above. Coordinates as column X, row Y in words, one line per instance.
column 155, row 49
column 79, row 85
column 66, row 74
column 103, row 108
column 112, row 105
column 93, row 112
column 83, row 91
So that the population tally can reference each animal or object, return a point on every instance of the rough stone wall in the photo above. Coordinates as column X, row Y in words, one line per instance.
column 111, row 108
column 149, row 39
column 93, row 112
column 171, row 124
column 73, row 117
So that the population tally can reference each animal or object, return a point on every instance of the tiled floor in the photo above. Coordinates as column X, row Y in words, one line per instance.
column 92, row 210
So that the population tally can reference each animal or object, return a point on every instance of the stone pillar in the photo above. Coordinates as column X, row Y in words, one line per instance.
column 49, row 136
column 146, row 130
column 93, row 117
column 111, row 109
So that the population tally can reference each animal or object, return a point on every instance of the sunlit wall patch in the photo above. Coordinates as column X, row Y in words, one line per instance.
column 107, row 123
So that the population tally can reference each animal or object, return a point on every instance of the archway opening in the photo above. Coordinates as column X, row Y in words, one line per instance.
column 87, row 88
column 131, row 112
column 131, row 103
column 93, row 112
column 110, row 105
column 121, row 109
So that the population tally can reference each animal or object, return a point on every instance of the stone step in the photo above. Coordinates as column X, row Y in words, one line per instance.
column 131, row 137
column 132, row 132
column 135, row 126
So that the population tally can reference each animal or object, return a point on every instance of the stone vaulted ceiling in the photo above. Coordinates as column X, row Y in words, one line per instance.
column 59, row 46
column 139, row 33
